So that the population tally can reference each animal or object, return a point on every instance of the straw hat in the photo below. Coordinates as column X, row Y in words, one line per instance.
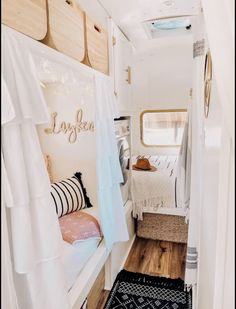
column 143, row 164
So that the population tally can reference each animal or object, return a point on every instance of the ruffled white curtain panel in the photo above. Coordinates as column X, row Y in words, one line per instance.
column 33, row 226
column 108, row 168
column 184, row 166
column 9, row 299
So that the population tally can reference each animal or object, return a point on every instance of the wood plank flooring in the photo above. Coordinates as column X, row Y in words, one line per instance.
column 151, row 257
column 157, row 258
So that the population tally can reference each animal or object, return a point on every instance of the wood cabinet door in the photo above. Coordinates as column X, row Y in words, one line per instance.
column 25, row 16
column 97, row 45
column 66, row 28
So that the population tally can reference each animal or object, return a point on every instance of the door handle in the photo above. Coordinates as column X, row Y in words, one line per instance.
column 128, row 70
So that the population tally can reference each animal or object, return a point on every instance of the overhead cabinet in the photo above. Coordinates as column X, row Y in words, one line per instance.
column 66, row 28
column 62, row 25
column 26, row 16
column 96, row 40
column 74, row 33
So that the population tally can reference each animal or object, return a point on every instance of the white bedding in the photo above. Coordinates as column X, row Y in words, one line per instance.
column 153, row 190
column 75, row 257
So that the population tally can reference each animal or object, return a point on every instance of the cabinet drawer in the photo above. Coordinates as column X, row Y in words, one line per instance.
column 26, row 16
column 97, row 45
column 66, row 28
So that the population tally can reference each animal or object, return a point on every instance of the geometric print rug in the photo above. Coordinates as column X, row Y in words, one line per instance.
column 138, row 291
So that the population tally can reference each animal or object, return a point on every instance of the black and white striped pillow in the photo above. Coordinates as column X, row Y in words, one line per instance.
column 69, row 195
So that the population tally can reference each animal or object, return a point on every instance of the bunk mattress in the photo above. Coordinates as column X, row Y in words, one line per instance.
column 75, row 257
column 155, row 192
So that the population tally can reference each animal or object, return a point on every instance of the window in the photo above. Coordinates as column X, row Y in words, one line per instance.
column 163, row 127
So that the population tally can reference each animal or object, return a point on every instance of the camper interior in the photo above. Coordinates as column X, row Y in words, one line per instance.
column 117, row 154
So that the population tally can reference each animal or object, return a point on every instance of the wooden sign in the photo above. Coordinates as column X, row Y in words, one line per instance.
column 71, row 129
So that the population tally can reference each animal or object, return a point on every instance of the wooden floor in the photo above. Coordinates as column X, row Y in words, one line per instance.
column 152, row 257
column 157, row 258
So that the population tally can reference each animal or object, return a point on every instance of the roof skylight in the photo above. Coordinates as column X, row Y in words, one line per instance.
column 170, row 24
column 161, row 27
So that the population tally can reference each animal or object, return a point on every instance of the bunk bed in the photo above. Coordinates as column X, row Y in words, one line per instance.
column 47, row 66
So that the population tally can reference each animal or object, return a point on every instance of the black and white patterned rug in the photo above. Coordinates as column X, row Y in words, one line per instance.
column 138, row 291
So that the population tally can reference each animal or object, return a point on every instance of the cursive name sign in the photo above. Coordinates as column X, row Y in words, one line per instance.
column 67, row 128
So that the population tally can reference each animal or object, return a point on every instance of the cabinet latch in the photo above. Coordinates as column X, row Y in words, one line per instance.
column 113, row 41
column 128, row 70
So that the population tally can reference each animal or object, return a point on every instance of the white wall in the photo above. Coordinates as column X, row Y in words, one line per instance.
column 228, row 293
column 161, row 79
column 216, row 246
column 68, row 158
column 95, row 10
column 208, row 223
column 216, row 259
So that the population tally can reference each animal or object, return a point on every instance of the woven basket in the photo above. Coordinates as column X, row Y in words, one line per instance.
column 163, row 227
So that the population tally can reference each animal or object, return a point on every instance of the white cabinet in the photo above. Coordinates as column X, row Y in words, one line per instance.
column 121, row 68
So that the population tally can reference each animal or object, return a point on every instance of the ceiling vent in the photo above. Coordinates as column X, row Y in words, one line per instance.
column 167, row 26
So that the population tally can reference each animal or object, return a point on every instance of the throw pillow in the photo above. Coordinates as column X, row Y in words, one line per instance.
column 69, row 195
column 79, row 226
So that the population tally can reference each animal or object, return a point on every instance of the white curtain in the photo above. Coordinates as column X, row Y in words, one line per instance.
column 33, row 224
column 184, row 166
column 9, row 299
column 108, row 168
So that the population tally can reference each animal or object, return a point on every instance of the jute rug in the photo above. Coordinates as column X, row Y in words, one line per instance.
column 138, row 291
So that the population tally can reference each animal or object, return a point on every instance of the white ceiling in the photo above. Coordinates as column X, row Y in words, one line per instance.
column 130, row 14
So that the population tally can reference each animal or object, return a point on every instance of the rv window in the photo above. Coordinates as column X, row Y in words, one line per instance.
column 162, row 127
